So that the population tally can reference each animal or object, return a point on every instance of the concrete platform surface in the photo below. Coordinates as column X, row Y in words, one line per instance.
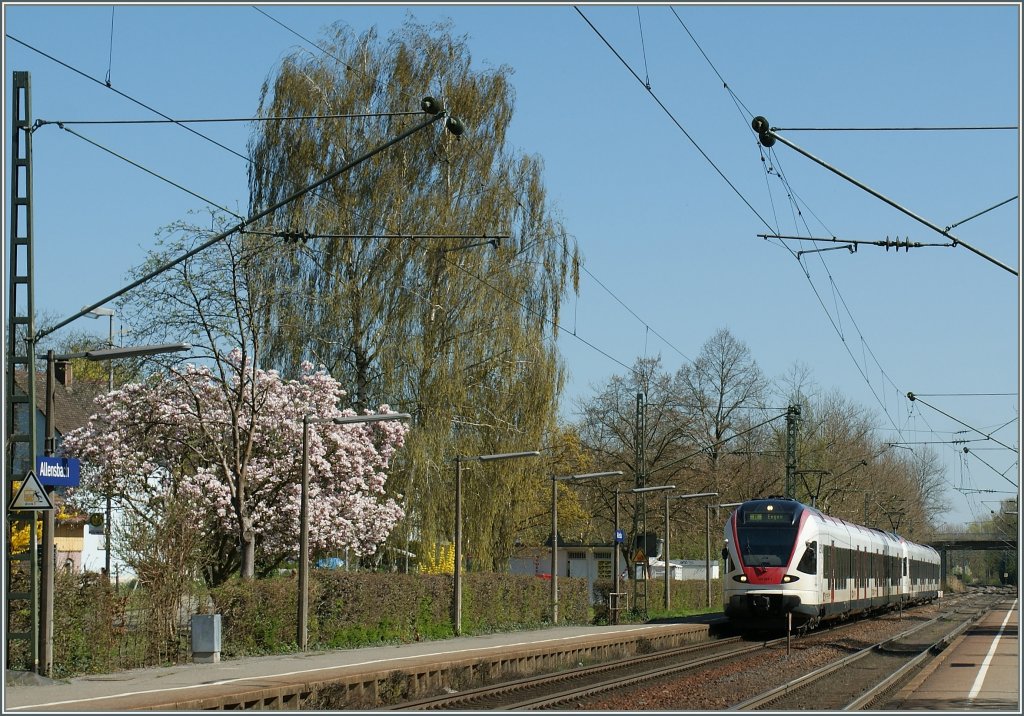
column 285, row 681
column 979, row 671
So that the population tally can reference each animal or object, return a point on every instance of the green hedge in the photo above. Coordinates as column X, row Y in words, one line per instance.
column 352, row 609
column 98, row 629
column 689, row 596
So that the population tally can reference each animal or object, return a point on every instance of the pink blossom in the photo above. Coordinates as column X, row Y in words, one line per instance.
column 243, row 435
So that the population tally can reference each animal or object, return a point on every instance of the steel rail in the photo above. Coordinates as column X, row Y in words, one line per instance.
column 509, row 687
column 806, row 680
column 474, row 697
column 897, row 676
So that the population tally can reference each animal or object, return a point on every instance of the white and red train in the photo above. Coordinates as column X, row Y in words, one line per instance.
column 783, row 557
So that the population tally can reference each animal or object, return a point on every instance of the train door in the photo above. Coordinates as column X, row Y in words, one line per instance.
column 904, row 577
column 856, row 574
column 832, row 573
column 884, row 572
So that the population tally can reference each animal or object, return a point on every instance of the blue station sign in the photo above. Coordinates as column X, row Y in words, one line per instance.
column 620, row 536
column 58, row 471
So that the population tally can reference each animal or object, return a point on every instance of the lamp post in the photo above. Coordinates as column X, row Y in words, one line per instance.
column 554, row 531
column 635, row 491
column 302, row 621
column 668, row 575
column 109, row 313
column 707, row 546
column 49, row 448
column 457, row 586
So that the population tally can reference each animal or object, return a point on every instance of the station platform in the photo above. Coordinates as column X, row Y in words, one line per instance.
column 978, row 671
column 352, row 678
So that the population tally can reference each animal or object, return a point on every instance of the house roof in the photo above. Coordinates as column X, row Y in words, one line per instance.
column 71, row 407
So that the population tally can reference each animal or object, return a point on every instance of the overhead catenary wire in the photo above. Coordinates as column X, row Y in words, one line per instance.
column 213, row 204
column 797, row 255
column 781, row 175
column 150, row 172
column 170, row 120
column 888, row 243
column 735, row 98
column 893, row 129
column 303, row 235
column 968, row 451
column 643, row 47
column 965, row 395
column 793, row 196
column 913, row 397
column 634, row 314
column 252, row 219
column 838, row 328
column 544, row 318
column 980, row 213
column 674, row 120
column 211, row 120
column 127, row 97
column 110, row 54
column 774, row 135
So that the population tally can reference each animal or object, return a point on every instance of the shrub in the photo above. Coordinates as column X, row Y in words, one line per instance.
column 98, row 629
column 258, row 616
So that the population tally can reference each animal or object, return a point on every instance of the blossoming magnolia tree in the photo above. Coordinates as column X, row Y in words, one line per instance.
column 230, row 446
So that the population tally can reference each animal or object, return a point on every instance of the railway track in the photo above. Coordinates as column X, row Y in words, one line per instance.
column 579, row 685
column 865, row 679
column 537, row 691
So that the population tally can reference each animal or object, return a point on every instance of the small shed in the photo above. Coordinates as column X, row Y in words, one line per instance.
column 592, row 561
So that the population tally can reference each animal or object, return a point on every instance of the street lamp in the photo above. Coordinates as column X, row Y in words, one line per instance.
column 98, row 313
column 707, row 546
column 615, row 554
column 302, row 622
column 457, row 587
column 554, row 531
column 49, row 448
column 667, row 571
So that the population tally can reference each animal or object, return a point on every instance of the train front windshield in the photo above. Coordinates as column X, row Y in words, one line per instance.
column 765, row 532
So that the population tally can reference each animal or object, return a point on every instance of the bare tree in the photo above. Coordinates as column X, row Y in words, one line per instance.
column 719, row 389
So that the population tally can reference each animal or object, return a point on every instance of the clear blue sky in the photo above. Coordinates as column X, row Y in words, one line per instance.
column 658, row 225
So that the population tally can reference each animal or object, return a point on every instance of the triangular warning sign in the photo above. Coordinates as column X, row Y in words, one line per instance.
column 639, row 557
column 31, row 495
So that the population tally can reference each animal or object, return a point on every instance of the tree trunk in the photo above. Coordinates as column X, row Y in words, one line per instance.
column 248, row 566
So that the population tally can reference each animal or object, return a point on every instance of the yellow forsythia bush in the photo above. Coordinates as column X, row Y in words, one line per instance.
column 439, row 560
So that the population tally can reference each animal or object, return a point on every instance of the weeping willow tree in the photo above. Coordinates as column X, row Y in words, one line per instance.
column 402, row 289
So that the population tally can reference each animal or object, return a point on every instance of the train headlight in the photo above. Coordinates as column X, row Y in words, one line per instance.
column 740, row 578
column 789, row 578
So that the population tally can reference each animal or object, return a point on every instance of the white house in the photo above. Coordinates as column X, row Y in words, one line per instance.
column 592, row 561
column 683, row 569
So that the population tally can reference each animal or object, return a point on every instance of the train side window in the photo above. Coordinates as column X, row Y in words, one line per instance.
column 809, row 561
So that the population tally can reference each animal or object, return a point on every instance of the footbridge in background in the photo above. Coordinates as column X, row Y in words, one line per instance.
column 967, row 542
